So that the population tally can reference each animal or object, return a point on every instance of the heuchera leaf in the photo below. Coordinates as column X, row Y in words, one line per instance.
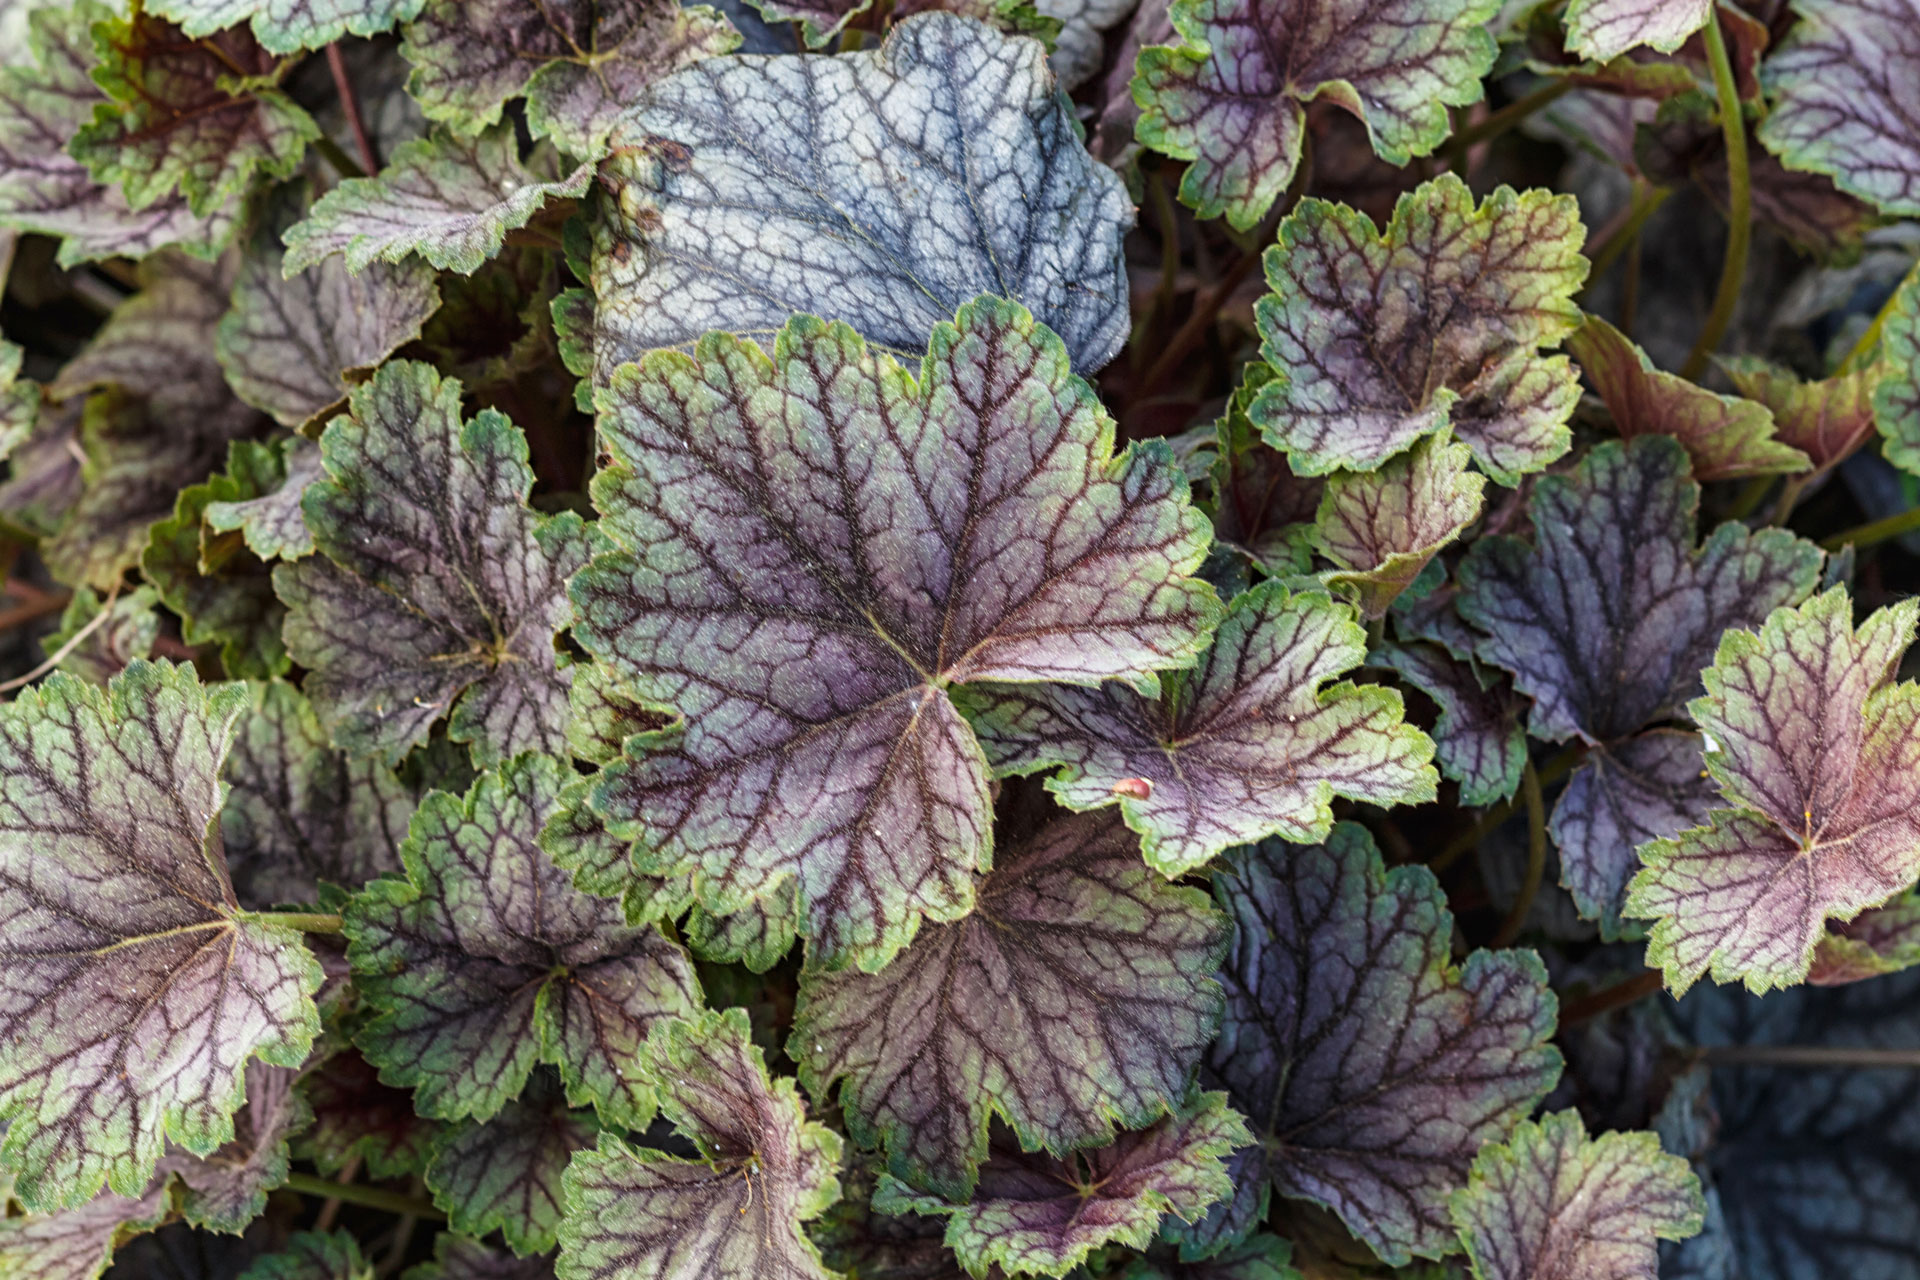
column 1478, row 740
column 43, row 103
column 1827, row 420
column 1379, row 339
column 227, row 1189
column 294, row 345
column 106, row 647
column 1077, row 994
column 882, row 188
column 1260, row 507
column 580, row 64
column 77, row 1244
column 1382, row 527
column 1875, row 942
column 1604, row 29
column 136, row 989
column 450, row 200
column 1035, row 1213
column 1551, row 1203
column 1375, row 1068
column 19, row 399
column 1726, row 436
column 355, row 1117
column 1819, row 750
column 287, row 26
column 1605, row 621
column 201, row 118
column 457, row 1257
column 1844, row 97
column 486, row 960
column 436, row 586
column 271, row 522
column 603, row 714
column 1232, row 96
column 1251, row 742
column 972, row 525
column 313, row 1255
column 504, row 1175
column 634, row 1213
column 1896, row 392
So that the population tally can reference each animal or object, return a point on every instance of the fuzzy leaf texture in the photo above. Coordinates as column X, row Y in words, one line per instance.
column 1079, row 992
column 1381, row 528
column 1818, row 750
column 287, row 26
column 976, row 527
column 883, row 188
column 1602, row 30
column 505, row 1175
column 137, row 990
column 1381, row 338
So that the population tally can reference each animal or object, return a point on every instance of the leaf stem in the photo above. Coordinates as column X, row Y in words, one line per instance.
column 308, row 1184
column 350, row 106
column 1618, row 996
column 1733, row 269
column 1498, row 122
column 1536, row 858
column 1556, row 768
column 1810, row 1055
column 1866, row 535
column 1617, row 238
column 342, row 162
column 304, row 921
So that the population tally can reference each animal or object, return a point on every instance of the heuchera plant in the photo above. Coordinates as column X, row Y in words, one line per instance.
column 846, row 640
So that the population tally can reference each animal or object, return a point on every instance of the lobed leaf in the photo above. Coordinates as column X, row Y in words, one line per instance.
column 969, row 526
column 1896, row 390
column 1878, row 941
column 504, row 1174
column 77, row 1243
column 1251, row 742
column 287, row 26
column 1478, row 739
column 1381, row 528
column 1819, row 751
column 226, row 1190
column 1076, row 995
column 358, row 1118
column 1379, row 339
column 270, row 521
column 457, row 1257
column 137, row 989
column 1604, row 29
column 882, row 188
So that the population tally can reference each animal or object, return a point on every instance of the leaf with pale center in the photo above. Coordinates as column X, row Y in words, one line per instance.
column 1380, row 528
column 1079, row 993
column 1381, row 338
column 970, row 525
column 1818, row 749
column 1251, row 742
column 882, row 188
column 137, row 990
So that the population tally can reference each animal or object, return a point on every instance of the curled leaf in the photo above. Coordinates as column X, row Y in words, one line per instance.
column 1827, row 420
column 1878, row 941
column 1382, row 527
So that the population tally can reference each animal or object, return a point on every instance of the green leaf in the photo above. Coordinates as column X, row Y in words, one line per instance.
column 504, row 1175
column 1379, row 339
column 200, row 118
column 1251, row 742
column 1077, row 995
column 19, row 399
column 604, row 713
column 1896, row 391
column 287, row 26
column 1604, row 29
column 228, row 1189
column 457, row 1257
column 436, row 587
column 313, row 1255
column 137, row 990
column 579, row 63
column 1261, row 508
column 486, row 960
column 1231, row 97
column 44, row 100
column 1726, row 436
column 765, row 1169
column 270, row 521
column 1878, row 941
column 1816, row 747
column 886, row 578
column 1382, row 527
column 450, row 200
column 746, row 189
column 77, row 1243
column 1036, row 1214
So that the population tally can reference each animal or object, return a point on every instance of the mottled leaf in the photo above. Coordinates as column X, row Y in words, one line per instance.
column 1826, row 420
column 1478, row 741
column 1726, row 436
column 1078, row 994
column 286, row 26
column 1038, row 1214
column 504, row 1175
column 44, row 101
column 355, row 1117
column 1374, row 1067
column 1231, row 97
column 450, row 200
column 313, row 1255
column 1845, row 94
column 883, row 188
column 77, row 1243
column 436, row 586
column 634, row 1213
column 1604, row 29
column 1878, row 941
column 227, row 1189
column 1251, row 742
column 1819, row 751
column 809, row 629
column 137, row 990
column 1551, row 1203
column 579, row 64
column 1380, row 528
column 1379, row 339
column 270, row 522
column 486, row 960
column 1079, row 50
column 199, row 118
column 1896, row 392
column 1605, row 622
column 294, row 345
column 43, row 471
